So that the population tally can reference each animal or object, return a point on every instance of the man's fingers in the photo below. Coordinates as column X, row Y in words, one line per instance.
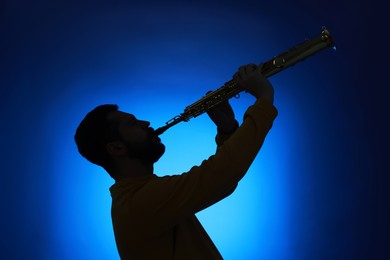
column 251, row 67
column 244, row 71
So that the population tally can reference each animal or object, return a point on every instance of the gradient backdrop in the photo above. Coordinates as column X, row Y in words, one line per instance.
column 315, row 191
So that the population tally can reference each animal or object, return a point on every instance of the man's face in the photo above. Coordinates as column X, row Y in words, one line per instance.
column 139, row 138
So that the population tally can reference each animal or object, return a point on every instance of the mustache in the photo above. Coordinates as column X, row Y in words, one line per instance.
column 152, row 131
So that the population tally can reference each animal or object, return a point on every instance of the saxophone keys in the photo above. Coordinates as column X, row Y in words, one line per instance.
column 278, row 62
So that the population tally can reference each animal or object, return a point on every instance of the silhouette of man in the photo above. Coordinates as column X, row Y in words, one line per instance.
column 154, row 217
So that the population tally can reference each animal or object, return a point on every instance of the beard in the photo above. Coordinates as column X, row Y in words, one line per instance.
column 149, row 151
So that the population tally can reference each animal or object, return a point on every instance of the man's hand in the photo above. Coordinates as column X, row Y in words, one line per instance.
column 223, row 117
column 250, row 79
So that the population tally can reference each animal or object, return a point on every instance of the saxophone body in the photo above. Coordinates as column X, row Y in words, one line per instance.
column 231, row 88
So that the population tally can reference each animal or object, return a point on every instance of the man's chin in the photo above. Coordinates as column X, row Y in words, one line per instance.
column 154, row 154
column 150, row 155
column 159, row 152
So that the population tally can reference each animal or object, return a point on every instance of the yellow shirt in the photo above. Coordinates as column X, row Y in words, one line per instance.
column 154, row 217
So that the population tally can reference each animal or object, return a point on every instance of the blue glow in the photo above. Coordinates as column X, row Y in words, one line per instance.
column 81, row 199
column 306, row 194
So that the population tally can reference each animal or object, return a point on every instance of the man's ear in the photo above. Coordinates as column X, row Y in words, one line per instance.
column 116, row 148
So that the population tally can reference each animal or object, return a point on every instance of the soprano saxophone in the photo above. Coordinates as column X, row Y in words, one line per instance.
column 231, row 89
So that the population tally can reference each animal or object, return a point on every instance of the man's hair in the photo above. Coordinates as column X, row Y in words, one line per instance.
column 94, row 132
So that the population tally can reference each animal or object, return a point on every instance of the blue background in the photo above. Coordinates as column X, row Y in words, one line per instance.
column 317, row 189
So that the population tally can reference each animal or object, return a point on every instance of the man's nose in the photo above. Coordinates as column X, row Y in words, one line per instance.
column 145, row 124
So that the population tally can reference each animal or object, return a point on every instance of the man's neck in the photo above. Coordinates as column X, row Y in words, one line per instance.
column 132, row 168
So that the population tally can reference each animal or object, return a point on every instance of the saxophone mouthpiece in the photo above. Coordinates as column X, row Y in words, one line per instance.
column 160, row 130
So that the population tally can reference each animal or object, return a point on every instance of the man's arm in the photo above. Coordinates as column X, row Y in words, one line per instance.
column 250, row 79
column 167, row 200
column 170, row 199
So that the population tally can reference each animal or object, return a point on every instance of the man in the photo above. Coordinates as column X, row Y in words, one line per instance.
column 154, row 217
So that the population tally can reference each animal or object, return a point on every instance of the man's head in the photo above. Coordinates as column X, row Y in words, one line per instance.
column 107, row 135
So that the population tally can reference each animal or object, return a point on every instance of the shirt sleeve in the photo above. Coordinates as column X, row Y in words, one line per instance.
column 222, row 137
column 169, row 199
